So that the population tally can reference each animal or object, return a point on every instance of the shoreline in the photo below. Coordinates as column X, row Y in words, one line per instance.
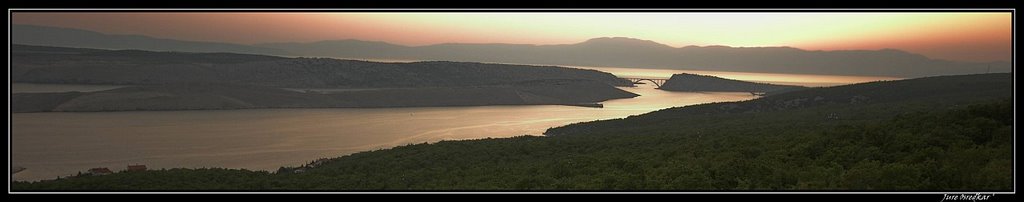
column 584, row 105
column 184, row 97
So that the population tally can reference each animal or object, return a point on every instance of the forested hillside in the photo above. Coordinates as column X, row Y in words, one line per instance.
column 188, row 81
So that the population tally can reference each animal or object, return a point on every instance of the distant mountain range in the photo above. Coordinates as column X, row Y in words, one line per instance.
column 628, row 52
column 607, row 51
column 66, row 37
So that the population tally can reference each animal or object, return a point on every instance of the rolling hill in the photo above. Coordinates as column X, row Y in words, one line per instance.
column 185, row 81
column 37, row 64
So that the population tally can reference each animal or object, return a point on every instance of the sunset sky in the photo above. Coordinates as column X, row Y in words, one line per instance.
column 972, row 36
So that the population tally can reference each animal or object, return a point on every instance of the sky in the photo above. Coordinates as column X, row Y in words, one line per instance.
column 964, row 36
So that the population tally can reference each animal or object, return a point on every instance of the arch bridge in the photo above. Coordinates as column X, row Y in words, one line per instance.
column 635, row 80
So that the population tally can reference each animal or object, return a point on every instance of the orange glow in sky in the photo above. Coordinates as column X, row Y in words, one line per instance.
column 971, row 36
